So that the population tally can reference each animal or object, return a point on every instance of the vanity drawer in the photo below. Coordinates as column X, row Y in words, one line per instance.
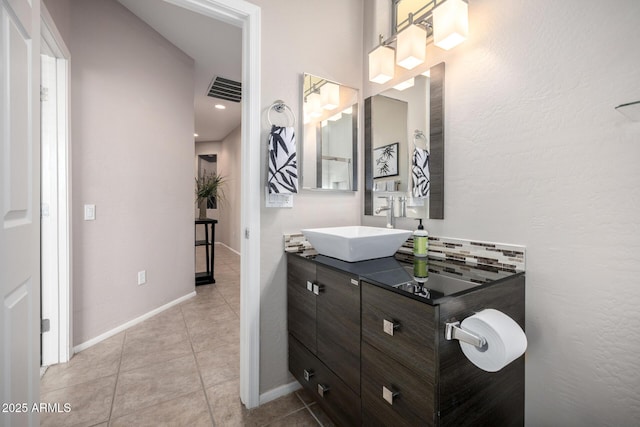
column 338, row 324
column 400, row 327
column 331, row 393
column 392, row 394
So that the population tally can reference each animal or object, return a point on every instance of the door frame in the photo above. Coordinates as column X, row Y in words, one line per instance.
column 59, row 301
column 247, row 16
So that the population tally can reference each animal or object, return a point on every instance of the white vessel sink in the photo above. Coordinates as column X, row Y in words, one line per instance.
column 356, row 243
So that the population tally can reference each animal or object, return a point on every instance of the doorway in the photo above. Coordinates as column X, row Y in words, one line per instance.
column 247, row 16
column 55, row 238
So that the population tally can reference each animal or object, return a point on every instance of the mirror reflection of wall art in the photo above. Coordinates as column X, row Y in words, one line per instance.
column 385, row 160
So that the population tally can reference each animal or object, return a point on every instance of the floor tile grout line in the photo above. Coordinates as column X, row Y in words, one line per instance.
column 308, row 407
column 115, row 387
column 295, row 411
column 76, row 384
column 157, row 362
column 204, row 389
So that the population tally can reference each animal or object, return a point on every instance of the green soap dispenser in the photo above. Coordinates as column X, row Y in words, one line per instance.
column 420, row 241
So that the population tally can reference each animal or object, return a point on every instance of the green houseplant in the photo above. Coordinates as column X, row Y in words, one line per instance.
column 209, row 188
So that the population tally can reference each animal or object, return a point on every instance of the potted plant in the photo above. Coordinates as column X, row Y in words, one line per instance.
column 209, row 188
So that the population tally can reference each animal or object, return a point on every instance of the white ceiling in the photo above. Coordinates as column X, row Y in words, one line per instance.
column 216, row 48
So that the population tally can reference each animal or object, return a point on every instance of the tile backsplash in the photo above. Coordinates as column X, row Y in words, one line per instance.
column 296, row 242
column 492, row 255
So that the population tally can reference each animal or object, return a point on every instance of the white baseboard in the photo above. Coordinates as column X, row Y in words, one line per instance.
column 277, row 392
column 228, row 247
column 93, row 341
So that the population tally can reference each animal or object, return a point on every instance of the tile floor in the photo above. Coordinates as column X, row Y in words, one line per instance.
column 179, row 368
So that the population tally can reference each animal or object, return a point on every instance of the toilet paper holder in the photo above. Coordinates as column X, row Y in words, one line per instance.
column 453, row 331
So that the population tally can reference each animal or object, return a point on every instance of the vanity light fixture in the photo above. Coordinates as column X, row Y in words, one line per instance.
column 405, row 84
column 335, row 117
column 450, row 24
column 348, row 110
column 330, row 95
column 427, row 73
column 446, row 20
column 411, row 46
column 381, row 63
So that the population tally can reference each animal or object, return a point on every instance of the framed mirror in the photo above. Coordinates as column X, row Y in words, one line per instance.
column 408, row 124
column 330, row 135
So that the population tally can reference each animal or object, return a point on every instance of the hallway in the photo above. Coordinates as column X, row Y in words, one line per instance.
column 179, row 368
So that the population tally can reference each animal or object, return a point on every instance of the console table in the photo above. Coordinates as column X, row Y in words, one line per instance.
column 206, row 277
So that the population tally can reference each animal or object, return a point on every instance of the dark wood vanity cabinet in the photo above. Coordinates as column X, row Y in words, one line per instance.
column 374, row 357
column 323, row 315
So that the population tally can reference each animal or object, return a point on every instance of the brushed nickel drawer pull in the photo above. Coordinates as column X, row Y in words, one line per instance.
column 318, row 289
column 354, row 282
column 389, row 395
column 389, row 326
column 310, row 285
column 308, row 373
column 322, row 389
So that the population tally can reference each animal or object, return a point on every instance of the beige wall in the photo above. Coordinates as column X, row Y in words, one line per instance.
column 537, row 155
column 132, row 157
column 230, row 166
column 324, row 39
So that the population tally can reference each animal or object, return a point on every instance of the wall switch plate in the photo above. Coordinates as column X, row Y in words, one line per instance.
column 142, row 277
column 89, row 212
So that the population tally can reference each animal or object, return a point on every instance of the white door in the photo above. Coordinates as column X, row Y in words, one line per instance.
column 19, row 210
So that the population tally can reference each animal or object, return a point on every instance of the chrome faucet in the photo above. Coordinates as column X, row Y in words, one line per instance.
column 391, row 218
column 403, row 206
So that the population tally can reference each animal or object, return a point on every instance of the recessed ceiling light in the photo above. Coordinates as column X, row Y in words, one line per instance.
column 220, row 106
column 196, row 135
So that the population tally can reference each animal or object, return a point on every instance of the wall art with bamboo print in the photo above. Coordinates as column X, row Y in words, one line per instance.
column 385, row 160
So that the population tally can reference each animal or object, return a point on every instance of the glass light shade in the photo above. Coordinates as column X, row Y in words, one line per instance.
column 450, row 24
column 314, row 105
column 381, row 64
column 405, row 84
column 330, row 95
column 411, row 47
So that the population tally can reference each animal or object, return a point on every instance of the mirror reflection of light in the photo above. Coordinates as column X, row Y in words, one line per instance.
column 324, row 123
column 335, row 117
column 348, row 110
column 330, row 95
column 314, row 104
column 405, row 84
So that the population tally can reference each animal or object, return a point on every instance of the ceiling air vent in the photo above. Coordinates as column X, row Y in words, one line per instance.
column 225, row 89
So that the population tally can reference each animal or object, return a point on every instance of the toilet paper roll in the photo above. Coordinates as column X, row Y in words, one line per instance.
column 506, row 341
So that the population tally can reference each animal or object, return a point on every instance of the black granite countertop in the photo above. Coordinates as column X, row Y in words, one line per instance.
column 445, row 279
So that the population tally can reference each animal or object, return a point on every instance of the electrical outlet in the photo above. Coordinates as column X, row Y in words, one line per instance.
column 142, row 277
